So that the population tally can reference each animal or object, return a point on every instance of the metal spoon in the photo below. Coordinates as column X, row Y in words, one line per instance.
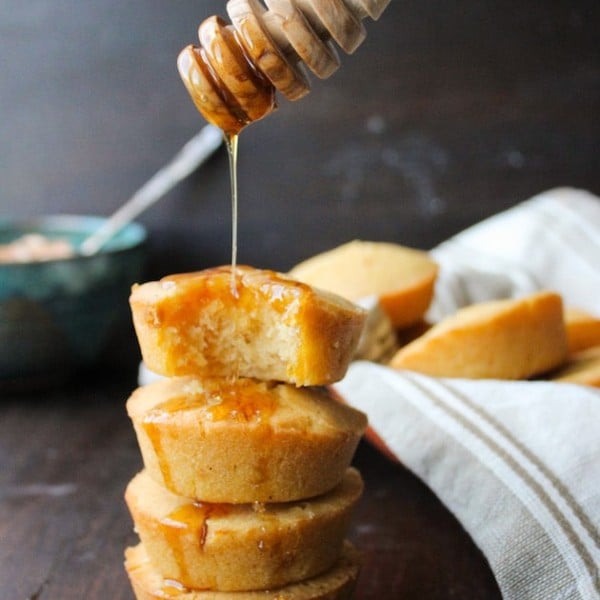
column 188, row 159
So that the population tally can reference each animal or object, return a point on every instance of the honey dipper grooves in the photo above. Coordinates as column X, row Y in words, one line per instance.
column 235, row 72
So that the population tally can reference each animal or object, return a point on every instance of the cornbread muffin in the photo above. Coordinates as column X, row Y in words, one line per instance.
column 336, row 584
column 582, row 367
column 583, row 329
column 242, row 440
column 502, row 339
column 245, row 322
column 240, row 547
column 401, row 278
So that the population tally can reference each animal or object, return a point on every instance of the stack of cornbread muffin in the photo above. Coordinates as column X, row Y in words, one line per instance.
column 247, row 489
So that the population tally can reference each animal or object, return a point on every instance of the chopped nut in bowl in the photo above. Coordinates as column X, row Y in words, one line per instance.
column 35, row 247
column 59, row 309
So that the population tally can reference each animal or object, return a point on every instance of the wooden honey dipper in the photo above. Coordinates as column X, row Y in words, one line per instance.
column 233, row 75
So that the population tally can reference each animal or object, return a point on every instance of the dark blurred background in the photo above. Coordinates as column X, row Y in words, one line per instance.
column 447, row 113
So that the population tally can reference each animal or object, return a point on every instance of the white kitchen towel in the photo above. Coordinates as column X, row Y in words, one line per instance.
column 551, row 241
column 518, row 463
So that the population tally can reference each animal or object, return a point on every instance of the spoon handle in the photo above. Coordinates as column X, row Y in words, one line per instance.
column 189, row 158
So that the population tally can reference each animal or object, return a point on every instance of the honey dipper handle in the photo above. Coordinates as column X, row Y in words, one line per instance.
column 232, row 76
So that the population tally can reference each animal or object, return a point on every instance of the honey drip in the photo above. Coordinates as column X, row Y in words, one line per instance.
column 231, row 141
column 242, row 400
column 189, row 523
column 179, row 311
column 233, row 75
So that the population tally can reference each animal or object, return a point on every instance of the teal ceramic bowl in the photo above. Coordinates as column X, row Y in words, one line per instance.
column 57, row 316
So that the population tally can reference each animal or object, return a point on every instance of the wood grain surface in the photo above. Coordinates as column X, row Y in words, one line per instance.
column 67, row 456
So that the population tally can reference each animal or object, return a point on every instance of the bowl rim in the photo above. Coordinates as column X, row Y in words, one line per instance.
column 80, row 223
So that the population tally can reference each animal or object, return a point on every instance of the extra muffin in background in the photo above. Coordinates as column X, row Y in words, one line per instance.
column 402, row 279
column 501, row 339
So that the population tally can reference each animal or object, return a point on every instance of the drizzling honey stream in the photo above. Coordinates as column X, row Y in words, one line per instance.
column 234, row 74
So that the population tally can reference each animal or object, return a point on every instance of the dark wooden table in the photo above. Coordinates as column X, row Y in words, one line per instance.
column 448, row 113
column 66, row 457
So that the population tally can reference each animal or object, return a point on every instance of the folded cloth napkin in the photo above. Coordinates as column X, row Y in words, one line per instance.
column 518, row 463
